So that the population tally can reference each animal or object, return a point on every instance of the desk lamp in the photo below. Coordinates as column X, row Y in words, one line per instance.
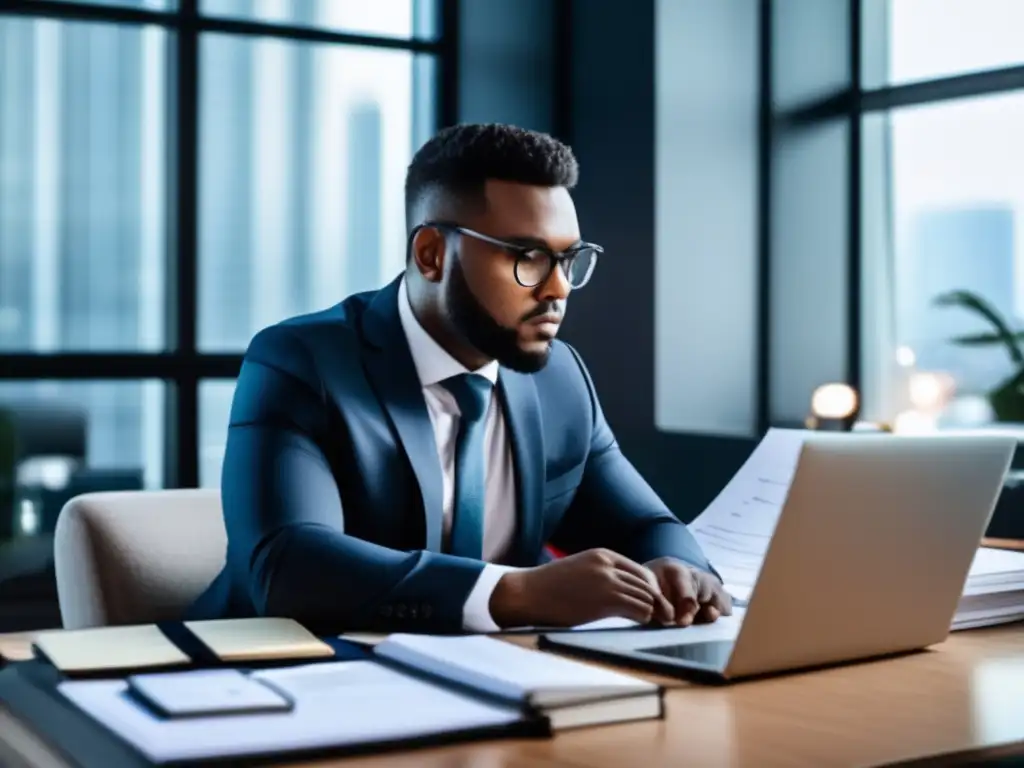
column 832, row 408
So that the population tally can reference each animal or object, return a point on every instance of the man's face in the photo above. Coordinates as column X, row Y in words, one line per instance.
column 499, row 317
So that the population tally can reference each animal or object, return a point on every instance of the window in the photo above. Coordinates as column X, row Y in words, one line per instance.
column 929, row 39
column 152, row 5
column 303, row 151
column 942, row 213
column 214, row 410
column 83, row 229
column 387, row 18
column 958, row 210
column 100, row 425
column 177, row 174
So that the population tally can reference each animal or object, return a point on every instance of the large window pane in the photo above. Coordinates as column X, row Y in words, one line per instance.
column 77, row 436
column 939, row 38
column 82, row 185
column 214, row 410
column 957, row 217
column 303, row 152
column 387, row 18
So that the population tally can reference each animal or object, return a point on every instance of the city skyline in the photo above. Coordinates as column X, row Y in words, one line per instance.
column 303, row 150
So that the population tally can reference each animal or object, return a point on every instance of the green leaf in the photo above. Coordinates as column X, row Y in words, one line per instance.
column 974, row 303
column 983, row 339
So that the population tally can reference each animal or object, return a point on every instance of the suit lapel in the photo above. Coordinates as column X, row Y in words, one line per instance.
column 522, row 414
column 393, row 375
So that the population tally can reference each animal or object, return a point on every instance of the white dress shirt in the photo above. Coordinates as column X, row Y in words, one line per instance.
column 434, row 365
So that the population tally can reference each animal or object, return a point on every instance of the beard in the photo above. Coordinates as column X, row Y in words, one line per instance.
column 485, row 334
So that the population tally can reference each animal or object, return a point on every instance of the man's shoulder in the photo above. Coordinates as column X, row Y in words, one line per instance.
column 336, row 326
column 564, row 375
column 563, row 361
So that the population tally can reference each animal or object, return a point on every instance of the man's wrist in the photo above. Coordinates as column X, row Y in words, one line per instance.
column 508, row 604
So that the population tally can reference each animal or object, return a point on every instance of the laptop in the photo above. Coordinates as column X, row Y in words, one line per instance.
column 869, row 558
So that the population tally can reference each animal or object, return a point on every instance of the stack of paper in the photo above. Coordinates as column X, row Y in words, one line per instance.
column 735, row 529
column 994, row 592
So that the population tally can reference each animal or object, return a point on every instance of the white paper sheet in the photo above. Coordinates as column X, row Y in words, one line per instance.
column 736, row 527
column 336, row 704
column 725, row 628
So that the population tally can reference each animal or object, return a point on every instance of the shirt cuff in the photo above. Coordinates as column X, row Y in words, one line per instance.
column 476, row 612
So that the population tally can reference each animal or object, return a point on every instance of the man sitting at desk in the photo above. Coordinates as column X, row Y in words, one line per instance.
column 399, row 461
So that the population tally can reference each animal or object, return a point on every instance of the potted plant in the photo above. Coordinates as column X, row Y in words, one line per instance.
column 1007, row 399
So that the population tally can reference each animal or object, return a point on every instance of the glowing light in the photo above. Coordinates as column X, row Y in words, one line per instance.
column 930, row 391
column 28, row 519
column 833, row 401
column 905, row 357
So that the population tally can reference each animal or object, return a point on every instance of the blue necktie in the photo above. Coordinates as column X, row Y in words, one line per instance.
column 473, row 394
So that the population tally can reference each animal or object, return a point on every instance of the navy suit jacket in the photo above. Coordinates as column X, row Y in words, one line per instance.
column 331, row 484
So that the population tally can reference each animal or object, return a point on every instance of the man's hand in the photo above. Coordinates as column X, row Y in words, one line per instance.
column 695, row 596
column 591, row 585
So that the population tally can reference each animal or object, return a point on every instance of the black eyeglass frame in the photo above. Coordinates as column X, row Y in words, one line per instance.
column 522, row 252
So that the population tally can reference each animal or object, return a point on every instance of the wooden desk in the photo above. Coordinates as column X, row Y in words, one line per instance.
column 1014, row 544
column 964, row 698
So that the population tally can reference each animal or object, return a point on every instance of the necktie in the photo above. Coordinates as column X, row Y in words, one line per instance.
column 473, row 394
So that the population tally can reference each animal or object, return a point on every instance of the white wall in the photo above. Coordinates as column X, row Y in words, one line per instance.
column 706, row 138
column 809, row 208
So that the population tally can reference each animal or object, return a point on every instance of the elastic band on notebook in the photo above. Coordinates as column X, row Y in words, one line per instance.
column 189, row 644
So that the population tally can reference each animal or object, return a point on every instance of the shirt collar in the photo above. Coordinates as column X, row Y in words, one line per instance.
column 433, row 363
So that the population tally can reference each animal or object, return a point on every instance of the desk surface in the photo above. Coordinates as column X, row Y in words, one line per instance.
column 965, row 696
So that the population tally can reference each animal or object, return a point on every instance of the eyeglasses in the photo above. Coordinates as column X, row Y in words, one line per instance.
column 535, row 263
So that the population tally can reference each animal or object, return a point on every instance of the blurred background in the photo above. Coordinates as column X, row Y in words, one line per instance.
column 790, row 193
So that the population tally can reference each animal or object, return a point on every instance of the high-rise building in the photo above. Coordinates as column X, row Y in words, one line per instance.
column 302, row 150
column 365, row 218
column 82, row 239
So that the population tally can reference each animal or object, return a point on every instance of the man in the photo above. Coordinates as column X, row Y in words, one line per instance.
column 400, row 461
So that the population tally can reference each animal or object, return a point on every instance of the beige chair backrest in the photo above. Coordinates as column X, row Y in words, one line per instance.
column 136, row 557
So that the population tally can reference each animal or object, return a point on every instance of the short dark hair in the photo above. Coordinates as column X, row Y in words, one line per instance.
column 459, row 160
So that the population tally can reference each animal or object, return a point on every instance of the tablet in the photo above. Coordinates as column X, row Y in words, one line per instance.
column 204, row 693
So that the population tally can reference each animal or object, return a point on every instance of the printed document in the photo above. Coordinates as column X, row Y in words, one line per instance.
column 736, row 528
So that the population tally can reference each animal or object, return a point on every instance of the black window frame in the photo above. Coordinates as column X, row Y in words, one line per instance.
column 853, row 104
column 182, row 367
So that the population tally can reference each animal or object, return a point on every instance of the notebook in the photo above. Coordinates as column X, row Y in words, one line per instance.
column 350, row 706
column 121, row 649
column 259, row 639
column 568, row 693
column 102, row 649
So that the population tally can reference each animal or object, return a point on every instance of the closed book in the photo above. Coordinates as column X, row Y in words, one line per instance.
column 568, row 693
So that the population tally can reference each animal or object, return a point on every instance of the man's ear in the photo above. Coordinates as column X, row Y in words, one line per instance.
column 428, row 251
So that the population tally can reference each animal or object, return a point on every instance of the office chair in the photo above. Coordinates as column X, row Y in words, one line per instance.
column 136, row 557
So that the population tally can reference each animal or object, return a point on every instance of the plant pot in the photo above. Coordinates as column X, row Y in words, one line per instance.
column 1007, row 400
